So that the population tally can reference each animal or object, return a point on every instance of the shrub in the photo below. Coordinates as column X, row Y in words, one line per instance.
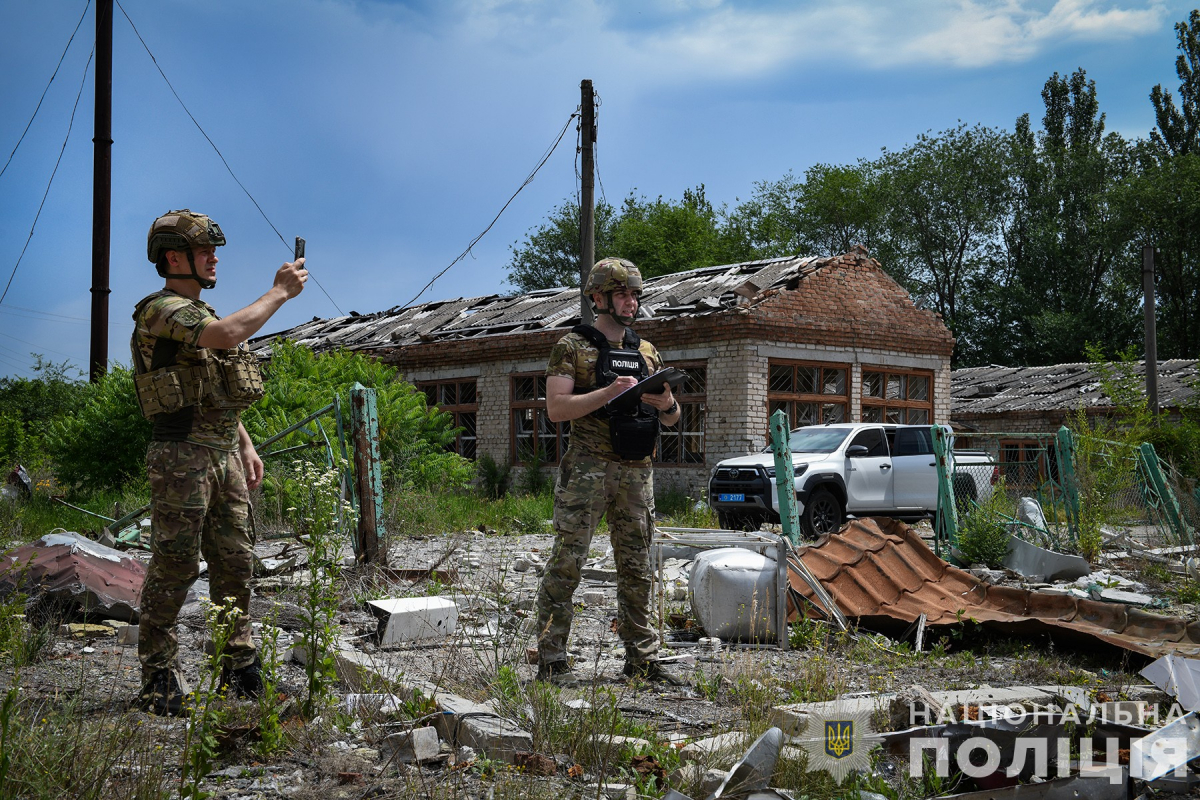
column 983, row 535
column 102, row 444
column 413, row 439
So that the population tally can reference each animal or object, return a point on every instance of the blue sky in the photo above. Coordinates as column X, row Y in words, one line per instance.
column 389, row 134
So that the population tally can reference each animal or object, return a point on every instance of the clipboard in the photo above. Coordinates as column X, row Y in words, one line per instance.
column 653, row 385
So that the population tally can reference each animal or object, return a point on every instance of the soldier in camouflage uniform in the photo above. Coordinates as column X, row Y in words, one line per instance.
column 193, row 377
column 593, row 480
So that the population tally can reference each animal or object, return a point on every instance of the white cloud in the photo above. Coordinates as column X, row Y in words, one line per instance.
column 675, row 39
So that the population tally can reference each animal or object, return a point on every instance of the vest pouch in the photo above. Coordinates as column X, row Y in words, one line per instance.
column 159, row 392
column 241, row 378
column 633, row 437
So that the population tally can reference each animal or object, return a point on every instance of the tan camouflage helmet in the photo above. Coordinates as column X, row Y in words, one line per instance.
column 613, row 275
column 181, row 230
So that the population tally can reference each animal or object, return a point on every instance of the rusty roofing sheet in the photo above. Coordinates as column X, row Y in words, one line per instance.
column 880, row 570
column 73, row 567
column 692, row 293
column 990, row 390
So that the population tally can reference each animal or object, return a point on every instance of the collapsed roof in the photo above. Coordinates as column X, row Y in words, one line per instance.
column 995, row 390
column 693, row 293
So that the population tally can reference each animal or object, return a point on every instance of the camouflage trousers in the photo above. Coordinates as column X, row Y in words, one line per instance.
column 588, row 487
column 199, row 505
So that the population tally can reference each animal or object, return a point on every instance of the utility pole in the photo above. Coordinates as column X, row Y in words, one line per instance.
column 1151, row 335
column 101, row 191
column 587, row 201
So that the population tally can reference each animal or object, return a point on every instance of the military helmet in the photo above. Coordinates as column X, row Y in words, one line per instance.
column 613, row 275
column 181, row 230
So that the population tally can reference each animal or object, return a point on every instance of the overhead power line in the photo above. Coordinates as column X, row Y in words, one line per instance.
column 54, row 172
column 216, row 149
column 43, row 97
column 528, row 180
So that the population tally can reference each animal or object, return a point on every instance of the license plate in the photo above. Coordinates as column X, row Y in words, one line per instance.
column 731, row 498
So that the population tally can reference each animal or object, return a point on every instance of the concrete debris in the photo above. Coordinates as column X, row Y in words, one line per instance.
column 372, row 703
column 128, row 636
column 413, row 747
column 71, row 569
column 413, row 619
column 1178, row 677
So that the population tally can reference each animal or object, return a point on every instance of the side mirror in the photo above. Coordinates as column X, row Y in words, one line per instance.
column 856, row 451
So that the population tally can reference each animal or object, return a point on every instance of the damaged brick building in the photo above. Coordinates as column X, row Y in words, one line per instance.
column 826, row 339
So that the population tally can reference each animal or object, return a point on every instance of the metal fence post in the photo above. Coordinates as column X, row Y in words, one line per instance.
column 785, row 478
column 368, row 477
column 945, row 524
column 1166, row 496
column 1064, row 451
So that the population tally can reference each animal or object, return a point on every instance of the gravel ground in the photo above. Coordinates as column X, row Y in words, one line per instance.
column 493, row 579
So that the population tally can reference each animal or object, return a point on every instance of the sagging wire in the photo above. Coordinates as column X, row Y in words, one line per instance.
column 43, row 97
column 54, row 172
column 217, row 149
column 528, row 180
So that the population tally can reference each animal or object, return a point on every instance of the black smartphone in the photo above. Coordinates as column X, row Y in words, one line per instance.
column 299, row 252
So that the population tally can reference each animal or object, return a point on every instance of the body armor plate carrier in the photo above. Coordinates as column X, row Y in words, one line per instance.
column 633, row 425
column 225, row 379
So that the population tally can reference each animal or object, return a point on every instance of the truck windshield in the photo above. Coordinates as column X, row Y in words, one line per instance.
column 816, row 440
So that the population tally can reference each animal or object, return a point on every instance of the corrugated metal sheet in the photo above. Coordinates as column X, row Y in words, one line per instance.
column 70, row 567
column 693, row 293
column 992, row 390
column 880, row 571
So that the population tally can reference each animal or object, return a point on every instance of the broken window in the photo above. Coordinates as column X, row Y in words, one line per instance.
column 532, row 431
column 897, row 396
column 683, row 442
column 809, row 394
column 458, row 399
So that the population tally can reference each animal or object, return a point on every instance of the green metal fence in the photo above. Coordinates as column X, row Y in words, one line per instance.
column 1081, row 484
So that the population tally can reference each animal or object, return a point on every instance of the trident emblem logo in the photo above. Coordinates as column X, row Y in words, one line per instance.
column 839, row 738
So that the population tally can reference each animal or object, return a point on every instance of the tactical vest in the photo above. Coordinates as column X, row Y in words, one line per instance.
column 632, row 424
column 223, row 379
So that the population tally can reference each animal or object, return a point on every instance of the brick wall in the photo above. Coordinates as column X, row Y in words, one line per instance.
column 847, row 310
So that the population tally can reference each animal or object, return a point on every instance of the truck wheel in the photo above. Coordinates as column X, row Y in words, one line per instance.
column 822, row 514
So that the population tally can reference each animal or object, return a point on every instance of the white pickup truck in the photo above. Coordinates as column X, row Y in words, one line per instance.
column 863, row 469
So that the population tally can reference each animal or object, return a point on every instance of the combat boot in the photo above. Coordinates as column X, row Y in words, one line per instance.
column 245, row 681
column 557, row 672
column 162, row 694
column 653, row 671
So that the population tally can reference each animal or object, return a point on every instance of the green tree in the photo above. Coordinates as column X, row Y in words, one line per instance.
column 945, row 195
column 830, row 210
column 29, row 405
column 664, row 236
column 549, row 256
column 1178, row 130
column 660, row 236
column 1065, row 248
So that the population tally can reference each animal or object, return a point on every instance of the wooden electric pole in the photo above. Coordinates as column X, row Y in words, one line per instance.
column 101, row 191
column 587, row 204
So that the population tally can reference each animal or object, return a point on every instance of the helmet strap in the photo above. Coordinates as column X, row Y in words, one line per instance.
column 192, row 276
column 623, row 321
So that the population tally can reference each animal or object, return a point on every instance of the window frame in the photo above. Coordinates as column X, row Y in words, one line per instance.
column 457, row 410
column 537, row 405
column 790, row 399
column 692, row 406
column 901, row 405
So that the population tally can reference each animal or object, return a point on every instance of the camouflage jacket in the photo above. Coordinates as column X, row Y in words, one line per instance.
column 574, row 357
column 166, row 318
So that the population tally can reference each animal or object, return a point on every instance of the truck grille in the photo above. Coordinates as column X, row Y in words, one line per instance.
column 738, row 479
